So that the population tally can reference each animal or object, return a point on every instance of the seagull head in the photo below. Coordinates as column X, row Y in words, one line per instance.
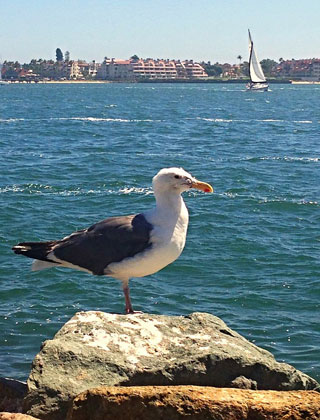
column 177, row 180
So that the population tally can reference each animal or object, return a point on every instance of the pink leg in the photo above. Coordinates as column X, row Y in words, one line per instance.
column 129, row 309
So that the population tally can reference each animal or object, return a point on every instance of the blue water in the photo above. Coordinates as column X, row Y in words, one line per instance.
column 72, row 155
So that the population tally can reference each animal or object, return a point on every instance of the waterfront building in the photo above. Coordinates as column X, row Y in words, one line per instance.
column 83, row 70
column 305, row 69
column 154, row 69
column 134, row 69
column 73, row 70
column 315, row 71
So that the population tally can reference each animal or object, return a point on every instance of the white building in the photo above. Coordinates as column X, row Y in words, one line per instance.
column 315, row 70
column 112, row 69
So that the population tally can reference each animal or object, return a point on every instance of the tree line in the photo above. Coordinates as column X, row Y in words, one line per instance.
column 56, row 69
column 216, row 70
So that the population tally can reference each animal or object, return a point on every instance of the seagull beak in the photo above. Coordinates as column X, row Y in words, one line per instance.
column 202, row 186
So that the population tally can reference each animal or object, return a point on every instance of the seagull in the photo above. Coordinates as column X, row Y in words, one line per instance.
column 124, row 247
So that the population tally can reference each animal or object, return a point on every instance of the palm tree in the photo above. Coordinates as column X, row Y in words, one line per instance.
column 59, row 55
column 239, row 58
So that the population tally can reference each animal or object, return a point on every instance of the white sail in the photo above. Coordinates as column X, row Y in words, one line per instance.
column 255, row 70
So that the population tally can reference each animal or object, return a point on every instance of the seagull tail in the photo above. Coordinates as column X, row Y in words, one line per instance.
column 36, row 250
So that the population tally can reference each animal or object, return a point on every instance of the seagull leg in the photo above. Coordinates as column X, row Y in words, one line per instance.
column 126, row 292
column 129, row 309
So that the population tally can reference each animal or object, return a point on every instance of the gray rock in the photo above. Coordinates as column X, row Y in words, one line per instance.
column 243, row 383
column 99, row 349
column 12, row 393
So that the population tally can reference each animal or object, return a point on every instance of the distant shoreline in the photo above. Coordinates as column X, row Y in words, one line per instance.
column 161, row 81
column 304, row 82
column 71, row 81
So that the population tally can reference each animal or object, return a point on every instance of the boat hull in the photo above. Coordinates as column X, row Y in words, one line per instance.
column 257, row 87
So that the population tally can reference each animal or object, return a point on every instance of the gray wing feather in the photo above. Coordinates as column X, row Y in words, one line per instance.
column 105, row 242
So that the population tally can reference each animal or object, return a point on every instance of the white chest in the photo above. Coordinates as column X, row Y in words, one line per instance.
column 168, row 239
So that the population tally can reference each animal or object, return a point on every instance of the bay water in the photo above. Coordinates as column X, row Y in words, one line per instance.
column 74, row 154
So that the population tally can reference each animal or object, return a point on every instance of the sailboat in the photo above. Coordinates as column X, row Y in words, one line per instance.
column 258, row 81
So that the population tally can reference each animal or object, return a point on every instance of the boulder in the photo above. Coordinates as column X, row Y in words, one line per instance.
column 100, row 349
column 193, row 402
column 12, row 393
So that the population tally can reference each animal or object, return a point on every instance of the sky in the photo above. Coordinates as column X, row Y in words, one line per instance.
column 202, row 30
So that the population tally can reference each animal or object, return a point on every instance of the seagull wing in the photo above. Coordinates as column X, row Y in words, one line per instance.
column 105, row 242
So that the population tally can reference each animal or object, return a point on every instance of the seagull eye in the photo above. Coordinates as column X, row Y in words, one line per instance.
column 177, row 176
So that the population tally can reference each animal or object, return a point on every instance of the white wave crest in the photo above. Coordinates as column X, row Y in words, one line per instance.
column 48, row 189
column 129, row 190
column 270, row 120
column 9, row 120
column 218, row 120
column 291, row 158
column 121, row 120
